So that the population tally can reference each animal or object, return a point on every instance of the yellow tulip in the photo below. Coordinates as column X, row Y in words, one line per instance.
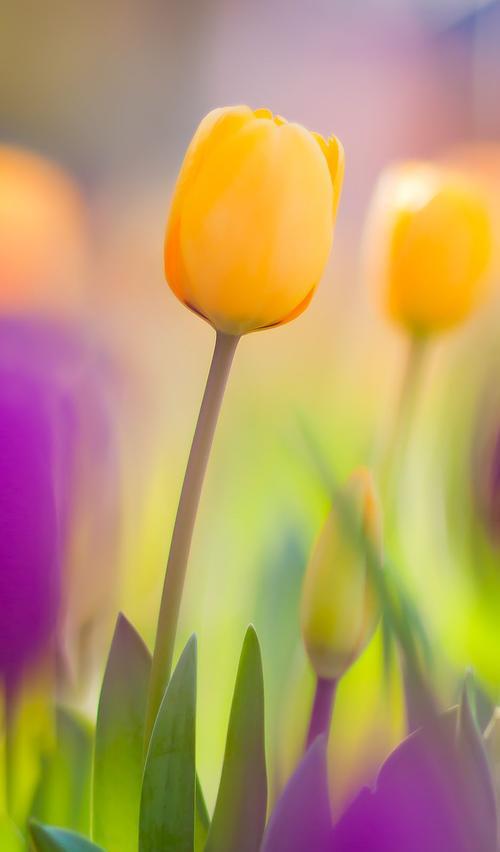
column 251, row 223
column 339, row 607
column 430, row 241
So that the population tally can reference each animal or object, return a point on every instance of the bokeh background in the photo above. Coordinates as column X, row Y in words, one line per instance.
column 112, row 93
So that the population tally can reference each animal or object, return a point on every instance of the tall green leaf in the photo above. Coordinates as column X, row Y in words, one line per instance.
column 167, row 818
column 63, row 794
column 479, row 802
column 11, row 839
column 202, row 820
column 240, row 810
column 119, row 741
column 48, row 839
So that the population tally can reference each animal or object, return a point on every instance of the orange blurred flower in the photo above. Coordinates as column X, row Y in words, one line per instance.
column 43, row 235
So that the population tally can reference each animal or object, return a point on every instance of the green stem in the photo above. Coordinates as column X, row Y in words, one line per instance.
column 393, row 462
column 322, row 709
column 225, row 346
column 405, row 411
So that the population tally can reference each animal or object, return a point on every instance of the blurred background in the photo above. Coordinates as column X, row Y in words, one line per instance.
column 111, row 94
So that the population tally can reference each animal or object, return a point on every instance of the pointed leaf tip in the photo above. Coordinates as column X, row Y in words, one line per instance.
column 240, row 810
column 119, row 739
column 478, row 788
column 49, row 839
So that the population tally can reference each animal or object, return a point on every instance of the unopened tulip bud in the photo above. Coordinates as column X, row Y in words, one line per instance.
column 339, row 609
column 251, row 223
column 429, row 246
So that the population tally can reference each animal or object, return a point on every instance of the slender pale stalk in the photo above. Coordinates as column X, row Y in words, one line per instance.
column 322, row 709
column 225, row 346
column 411, row 382
column 392, row 462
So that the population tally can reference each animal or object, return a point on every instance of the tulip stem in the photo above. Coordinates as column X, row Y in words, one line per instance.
column 397, row 447
column 405, row 411
column 322, row 709
column 225, row 347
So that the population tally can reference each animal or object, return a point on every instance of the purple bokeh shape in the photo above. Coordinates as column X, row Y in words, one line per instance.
column 29, row 564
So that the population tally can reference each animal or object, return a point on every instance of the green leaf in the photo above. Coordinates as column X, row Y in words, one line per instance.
column 119, row 741
column 48, row 839
column 167, row 816
column 11, row 839
column 479, row 792
column 240, row 810
column 202, row 820
column 31, row 737
column 63, row 794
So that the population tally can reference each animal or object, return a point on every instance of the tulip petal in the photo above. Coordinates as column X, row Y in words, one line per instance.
column 250, row 228
column 420, row 800
column 301, row 820
column 29, row 579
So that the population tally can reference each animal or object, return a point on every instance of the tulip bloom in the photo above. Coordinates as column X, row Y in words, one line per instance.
column 430, row 241
column 339, row 609
column 251, row 223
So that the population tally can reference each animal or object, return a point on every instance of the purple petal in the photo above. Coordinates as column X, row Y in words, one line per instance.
column 29, row 565
column 418, row 802
column 301, row 820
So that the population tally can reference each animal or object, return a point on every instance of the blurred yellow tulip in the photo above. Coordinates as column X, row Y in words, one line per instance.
column 251, row 222
column 430, row 245
column 339, row 607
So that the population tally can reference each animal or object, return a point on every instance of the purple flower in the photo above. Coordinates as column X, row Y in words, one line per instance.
column 29, row 564
column 301, row 820
column 433, row 794
column 56, row 452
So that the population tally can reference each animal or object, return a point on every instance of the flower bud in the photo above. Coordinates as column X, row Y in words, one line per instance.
column 430, row 245
column 339, row 608
column 251, row 223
